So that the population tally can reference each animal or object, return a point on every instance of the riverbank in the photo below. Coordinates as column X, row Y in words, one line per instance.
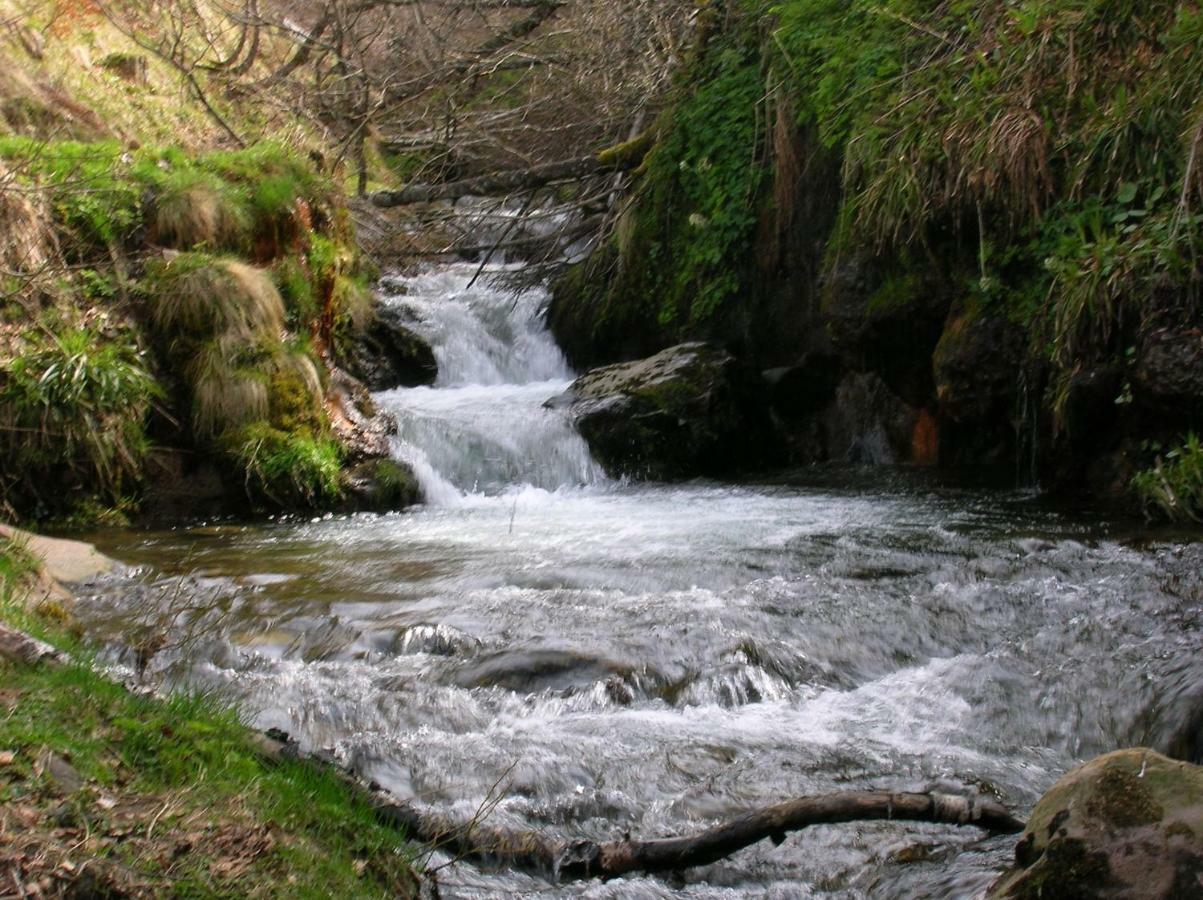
column 113, row 794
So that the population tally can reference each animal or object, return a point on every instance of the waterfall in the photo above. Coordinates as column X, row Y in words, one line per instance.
column 481, row 429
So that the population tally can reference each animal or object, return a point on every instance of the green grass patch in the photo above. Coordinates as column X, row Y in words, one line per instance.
column 73, row 410
column 291, row 469
column 175, row 797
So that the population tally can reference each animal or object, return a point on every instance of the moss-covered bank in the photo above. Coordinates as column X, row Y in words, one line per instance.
column 104, row 793
column 177, row 328
column 890, row 181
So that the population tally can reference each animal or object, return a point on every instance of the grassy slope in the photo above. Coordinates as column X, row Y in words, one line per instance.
column 97, row 175
column 174, row 801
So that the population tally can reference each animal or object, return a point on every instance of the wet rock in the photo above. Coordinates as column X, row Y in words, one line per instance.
column 804, row 388
column 1168, row 375
column 689, row 410
column 389, row 354
column 886, row 323
column 183, row 486
column 380, row 485
column 975, row 366
column 868, row 424
column 1090, row 408
column 1128, row 824
column 361, row 427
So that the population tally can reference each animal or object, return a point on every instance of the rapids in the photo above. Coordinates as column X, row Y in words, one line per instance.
column 593, row 658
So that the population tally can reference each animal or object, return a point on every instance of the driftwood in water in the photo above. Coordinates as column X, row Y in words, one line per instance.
column 611, row 859
column 18, row 647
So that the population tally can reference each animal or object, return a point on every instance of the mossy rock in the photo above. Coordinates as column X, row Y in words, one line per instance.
column 380, row 485
column 689, row 410
column 1128, row 824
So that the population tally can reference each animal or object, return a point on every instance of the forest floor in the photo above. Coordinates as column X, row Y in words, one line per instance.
column 104, row 792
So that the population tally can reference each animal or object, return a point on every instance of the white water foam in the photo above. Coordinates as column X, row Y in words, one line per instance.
column 482, row 428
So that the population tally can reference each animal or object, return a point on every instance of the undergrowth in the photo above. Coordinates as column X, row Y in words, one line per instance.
column 1173, row 487
column 236, row 264
column 73, row 410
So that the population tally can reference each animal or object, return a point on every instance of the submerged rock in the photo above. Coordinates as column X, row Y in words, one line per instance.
column 1128, row 824
column 389, row 354
column 689, row 410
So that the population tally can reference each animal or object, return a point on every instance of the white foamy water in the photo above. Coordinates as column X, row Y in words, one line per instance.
column 600, row 658
column 482, row 428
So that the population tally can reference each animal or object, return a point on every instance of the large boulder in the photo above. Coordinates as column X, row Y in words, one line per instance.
column 689, row 410
column 976, row 367
column 389, row 354
column 1128, row 824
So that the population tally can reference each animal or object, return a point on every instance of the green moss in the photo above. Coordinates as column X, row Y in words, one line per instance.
column 1067, row 870
column 295, row 395
column 1122, row 800
column 897, row 293
column 296, row 288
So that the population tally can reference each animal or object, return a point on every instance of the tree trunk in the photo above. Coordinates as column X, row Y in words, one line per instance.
column 497, row 183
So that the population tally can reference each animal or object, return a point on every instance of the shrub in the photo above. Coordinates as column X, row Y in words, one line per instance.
column 75, row 406
column 1173, row 487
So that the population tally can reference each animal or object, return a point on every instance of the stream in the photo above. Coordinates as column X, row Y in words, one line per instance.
column 592, row 658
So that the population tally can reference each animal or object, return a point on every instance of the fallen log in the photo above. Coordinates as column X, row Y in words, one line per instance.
column 498, row 182
column 573, row 860
column 611, row 161
column 564, row 860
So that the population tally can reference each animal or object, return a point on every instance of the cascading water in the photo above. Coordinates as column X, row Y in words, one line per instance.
column 482, row 428
column 590, row 658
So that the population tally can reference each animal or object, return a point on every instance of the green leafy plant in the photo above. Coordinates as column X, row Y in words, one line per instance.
column 75, row 405
column 1173, row 487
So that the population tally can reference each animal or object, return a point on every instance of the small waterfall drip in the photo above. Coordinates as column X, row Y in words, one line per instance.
column 1027, row 445
column 482, row 428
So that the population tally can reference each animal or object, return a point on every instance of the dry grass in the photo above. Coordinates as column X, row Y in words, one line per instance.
column 223, row 400
column 28, row 247
column 200, row 216
column 199, row 297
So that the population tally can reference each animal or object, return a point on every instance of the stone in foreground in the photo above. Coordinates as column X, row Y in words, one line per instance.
column 1126, row 825
column 688, row 411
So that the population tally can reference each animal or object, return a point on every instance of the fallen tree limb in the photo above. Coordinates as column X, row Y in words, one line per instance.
column 570, row 860
column 613, row 160
column 500, row 182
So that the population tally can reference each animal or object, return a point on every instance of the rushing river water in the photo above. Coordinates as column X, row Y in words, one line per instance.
column 594, row 658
